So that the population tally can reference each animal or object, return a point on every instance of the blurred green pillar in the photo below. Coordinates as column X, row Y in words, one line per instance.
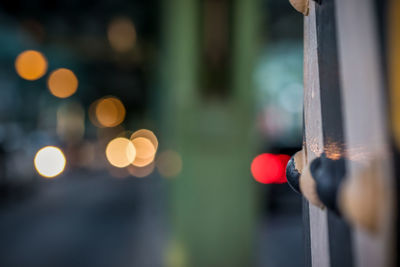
column 213, row 200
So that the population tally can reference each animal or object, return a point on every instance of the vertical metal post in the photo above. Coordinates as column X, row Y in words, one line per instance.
column 213, row 200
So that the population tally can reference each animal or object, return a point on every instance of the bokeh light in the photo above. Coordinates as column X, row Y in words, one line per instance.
column 270, row 168
column 169, row 163
column 148, row 135
column 120, row 152
column 49, row 161
column 121, row 34
column 285, row 159
column 109, row 112
column 31, row 65
column 141, row 172
column 62, row 83
column 145, row 151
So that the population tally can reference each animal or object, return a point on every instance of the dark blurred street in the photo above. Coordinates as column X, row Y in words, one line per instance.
column 149, row 133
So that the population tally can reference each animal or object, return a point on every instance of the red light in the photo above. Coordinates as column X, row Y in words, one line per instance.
column 270, row 168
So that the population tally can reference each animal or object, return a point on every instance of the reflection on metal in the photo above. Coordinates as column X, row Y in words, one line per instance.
column 333, row 149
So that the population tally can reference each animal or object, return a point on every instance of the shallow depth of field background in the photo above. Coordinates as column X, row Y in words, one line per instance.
column 128, row 130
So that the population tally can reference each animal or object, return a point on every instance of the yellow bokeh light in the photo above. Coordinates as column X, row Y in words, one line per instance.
column 120, row 152
column 62, row 83
column 31, row 65
column 169, row 163
column 49, row 161
column 145, row 151
column 110, row 112
column 148, row 135
column 121, row 34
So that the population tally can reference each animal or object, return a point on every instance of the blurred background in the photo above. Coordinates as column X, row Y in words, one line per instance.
column 149, row 133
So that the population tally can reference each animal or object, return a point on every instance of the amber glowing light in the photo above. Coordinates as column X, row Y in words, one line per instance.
column 49, row 161
column 62, row 83
column 121, row 34
column 146, row 145
column 120, row 152
column 31, row 65
column 145, row 152
column 109, row 112
column 148, row 135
